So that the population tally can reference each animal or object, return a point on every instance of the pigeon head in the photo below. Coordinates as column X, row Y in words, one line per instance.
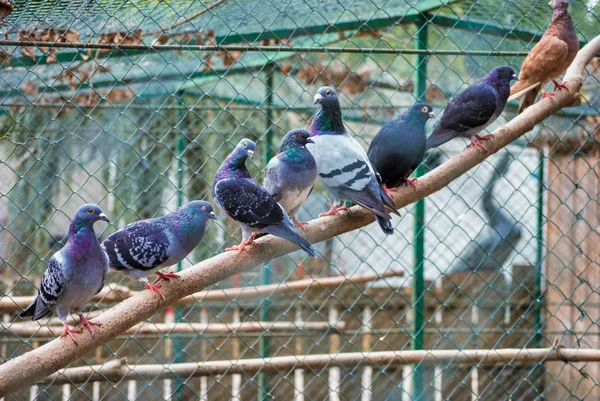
column 297, row 138
column 90, row 213
column 328, row 120
column 559, row 5
column 502, row 74
column 422, row 112
column 244, row 149
column 202, row 209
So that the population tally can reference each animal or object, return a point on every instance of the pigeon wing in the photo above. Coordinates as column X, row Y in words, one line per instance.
column 143, row 245
column 272, row 183
column 245, row 201
column 470, row 109
column 51, row 288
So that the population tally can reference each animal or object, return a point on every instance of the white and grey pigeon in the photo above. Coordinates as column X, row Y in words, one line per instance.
column 290, row 176
column 74, row 274
column 142, row 248
column 251, row 205
column 343, row 165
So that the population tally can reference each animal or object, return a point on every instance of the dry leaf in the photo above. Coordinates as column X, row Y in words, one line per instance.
column 287, row 68
column 27, row 51
column 5, row 10
column 162, row 39
column 29, row 88
column 230, row 57
column 4, row 57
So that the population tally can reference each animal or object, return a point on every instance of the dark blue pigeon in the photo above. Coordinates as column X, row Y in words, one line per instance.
column 343, row 165
column 251, row 205
column 141, row 249
column 291, row 174
column 473, row 109
column 74, row 274
column 399, row 147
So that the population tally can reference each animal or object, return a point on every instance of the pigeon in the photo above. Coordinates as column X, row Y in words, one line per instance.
column 399, row 147
column 490, row 250
column 291, row 174
column 550, row 57
column 473, row 109
column 343, row 165
column 251, row 205
column 146, row 246
column 74, row 274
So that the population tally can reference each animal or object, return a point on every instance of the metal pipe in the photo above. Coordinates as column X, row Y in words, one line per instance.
column 537, row 283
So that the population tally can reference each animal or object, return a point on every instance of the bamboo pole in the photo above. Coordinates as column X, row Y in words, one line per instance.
column 117, row 370
column 39, row 363
column 117, row 293
column 37, row 331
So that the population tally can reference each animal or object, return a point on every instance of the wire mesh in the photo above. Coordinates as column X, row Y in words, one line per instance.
column 503, row 257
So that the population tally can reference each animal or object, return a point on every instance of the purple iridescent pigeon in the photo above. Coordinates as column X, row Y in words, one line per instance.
column 473, row 109
column 343, row 165
column 142, row 248
column 291, row 174
column 251, row 205
column 74, row 274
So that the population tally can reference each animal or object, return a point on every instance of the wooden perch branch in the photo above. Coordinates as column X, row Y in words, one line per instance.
column 119, row 370
column 37, row 331
column 113, row 294
column 49, row 358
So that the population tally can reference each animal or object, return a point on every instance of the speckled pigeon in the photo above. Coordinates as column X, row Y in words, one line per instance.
column 399, row 147
column 291, row 174
column 146, row 246
column 550, row 57
column 74, row 274
column 343, row 165
column 251, row 205
column 473, row 109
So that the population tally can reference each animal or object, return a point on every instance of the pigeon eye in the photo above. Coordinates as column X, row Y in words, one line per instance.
column 328, row 93
column 203, row 207
column 244, row 144
column 424, row 109
column 506, row 72
column 299, row 135
column 91, row 211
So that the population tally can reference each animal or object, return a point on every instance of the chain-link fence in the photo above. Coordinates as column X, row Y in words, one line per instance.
column 133, row 105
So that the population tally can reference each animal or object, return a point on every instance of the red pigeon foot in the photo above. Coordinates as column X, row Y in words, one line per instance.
column 83, row 322
column 69, row 332
column 477, row 144
column 242, row 246
column 389, row 191
column 486, row 137
column 154, row 288
column 559, row 86
column 411, row 181
column 298, row 222
column 335, row 210
column 546, row 95
column 165, row 276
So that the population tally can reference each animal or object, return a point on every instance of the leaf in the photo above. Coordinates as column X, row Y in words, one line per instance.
column 28, row 88
column 5, row 10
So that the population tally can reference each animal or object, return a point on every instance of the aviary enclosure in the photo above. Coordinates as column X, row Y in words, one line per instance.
column 488, row 289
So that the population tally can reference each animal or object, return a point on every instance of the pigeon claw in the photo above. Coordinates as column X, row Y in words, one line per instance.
column 546, row 95
column 411, row 181
column 298, row 222
column 559, row 86
column 242, row 246
column 69, row 332
column 165, row 276
column 476, row 143
column 154, row 288
column 335, row 210
column 485, row 137
column 389, row 191
column 83, row 322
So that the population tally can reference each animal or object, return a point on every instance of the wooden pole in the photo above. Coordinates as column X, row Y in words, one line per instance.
column 119, row 370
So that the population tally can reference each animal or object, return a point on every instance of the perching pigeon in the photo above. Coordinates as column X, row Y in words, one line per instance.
column 399, row 147
column 246, row 202
column 146, row 246
column 473, row 109
column 550, row 57
column 291, row 174
column 74, row 274
column 493, row 246
column 343, row 165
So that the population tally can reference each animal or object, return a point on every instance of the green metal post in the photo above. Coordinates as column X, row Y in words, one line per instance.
column 419, row 229
column 263, row 385
column 537, row 289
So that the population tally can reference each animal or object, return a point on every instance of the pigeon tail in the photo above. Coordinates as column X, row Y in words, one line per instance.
column 528, row 99
column 291, row 235
column 390, row 205
column 385, row 224
column 35, row 311
column 439, row 137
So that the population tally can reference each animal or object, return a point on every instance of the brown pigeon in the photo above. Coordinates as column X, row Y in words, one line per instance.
column 550, row 57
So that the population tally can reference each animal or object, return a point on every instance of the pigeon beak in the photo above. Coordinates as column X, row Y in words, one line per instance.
column 213, row 216
column 431, row 114
column 103, row 217
column 515, row 77
column 309, row 141
column 318, row 98
column 250, row 153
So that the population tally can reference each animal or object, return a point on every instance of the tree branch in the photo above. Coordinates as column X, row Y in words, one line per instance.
column 47, row 359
